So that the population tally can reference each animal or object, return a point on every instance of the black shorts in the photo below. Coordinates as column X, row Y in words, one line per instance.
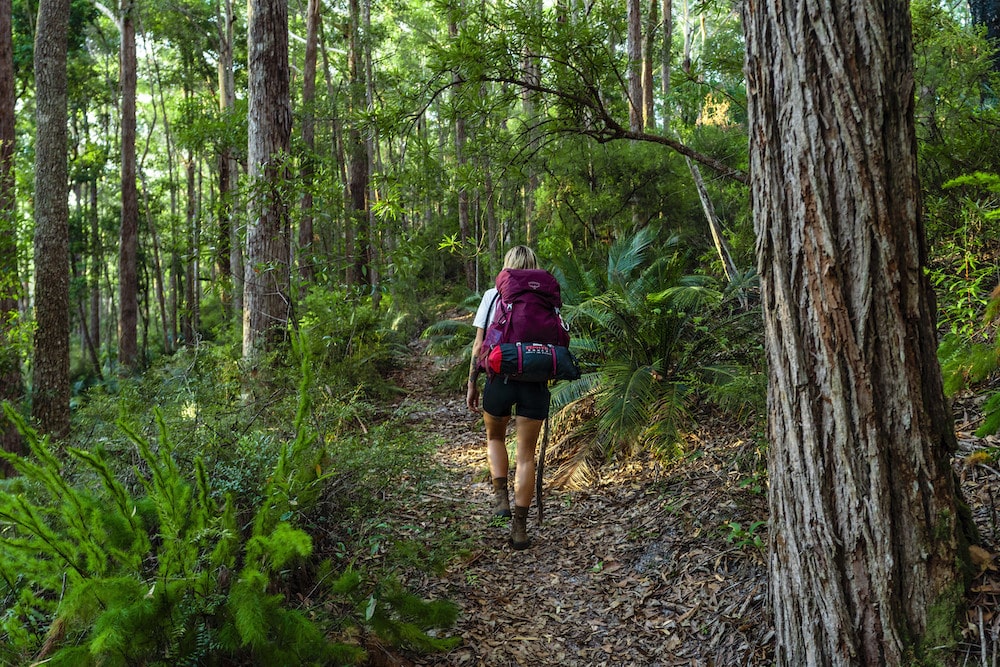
column 531, row 398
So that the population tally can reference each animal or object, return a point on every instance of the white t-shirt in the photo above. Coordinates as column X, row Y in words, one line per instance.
column 484, row 316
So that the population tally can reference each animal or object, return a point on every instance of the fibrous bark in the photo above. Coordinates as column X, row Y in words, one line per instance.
column 865, row 534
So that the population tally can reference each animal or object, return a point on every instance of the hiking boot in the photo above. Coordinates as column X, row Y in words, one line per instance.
column 502, row 506
column 519, row 529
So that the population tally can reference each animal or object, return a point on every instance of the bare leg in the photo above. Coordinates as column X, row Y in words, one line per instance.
column 524, row 475
column 496, row 446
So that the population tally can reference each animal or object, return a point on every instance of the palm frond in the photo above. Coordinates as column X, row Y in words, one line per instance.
column 737, row 390
column 600, row 313
column 448, row 336
column 584, row 344
column 577, row 457
column 624, row 401
column 578, row 450
column 567, row 393
column 666, row 269
column 628, row 254
column 688, row 297
column 448, row 328
column 575, row 281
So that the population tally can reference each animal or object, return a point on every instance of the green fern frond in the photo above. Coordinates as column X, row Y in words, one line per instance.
column 47, row 471
column 991, row 416
column 347, row 583
column 43, row 540
column 225, row 551
column 165, row 485
column 127, row 627
column 426, row 614
column 250, row 607
column 448, row 336
column 411, row 636
column 964, row 362
column 448, row 328
column 73, row 656
column 274, row 551
column 977, row 179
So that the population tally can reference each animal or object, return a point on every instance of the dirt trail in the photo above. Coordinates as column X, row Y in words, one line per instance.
column 645, row 567
column 633, row 571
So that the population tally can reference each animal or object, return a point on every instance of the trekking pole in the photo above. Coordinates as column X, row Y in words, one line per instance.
column 540, row 469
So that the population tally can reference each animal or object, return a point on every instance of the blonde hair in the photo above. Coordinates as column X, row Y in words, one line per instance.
column 520, row 257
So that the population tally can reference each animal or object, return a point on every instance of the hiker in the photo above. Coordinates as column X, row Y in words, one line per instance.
column 499, row 395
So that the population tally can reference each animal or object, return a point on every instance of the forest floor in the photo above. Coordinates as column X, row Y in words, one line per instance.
column 652, row 564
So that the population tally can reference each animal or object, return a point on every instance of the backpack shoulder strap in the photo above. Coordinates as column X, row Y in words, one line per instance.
column 491, row 317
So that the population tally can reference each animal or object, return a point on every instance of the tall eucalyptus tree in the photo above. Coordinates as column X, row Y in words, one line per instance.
column 635, row 63
column 266, row 297
column 665, row 60
column 866, row 526
column 50, row 368
column 128, row 248
column 305, row 252
column 230, row 258
column 358, row 235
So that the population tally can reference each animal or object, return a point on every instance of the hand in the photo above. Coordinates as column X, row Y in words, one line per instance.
column 472, row 396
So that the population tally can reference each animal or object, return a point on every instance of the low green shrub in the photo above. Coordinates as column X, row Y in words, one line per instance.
column 206, row 552
column 167, row 577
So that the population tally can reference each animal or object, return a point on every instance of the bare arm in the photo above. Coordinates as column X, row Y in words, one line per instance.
column 472, row 392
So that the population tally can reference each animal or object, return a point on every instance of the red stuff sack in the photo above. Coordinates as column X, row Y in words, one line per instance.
column 532, row 362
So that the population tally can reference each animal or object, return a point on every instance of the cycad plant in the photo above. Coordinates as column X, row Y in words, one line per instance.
column 650, row 336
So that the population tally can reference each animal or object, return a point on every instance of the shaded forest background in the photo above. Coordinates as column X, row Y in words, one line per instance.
column 218, row 450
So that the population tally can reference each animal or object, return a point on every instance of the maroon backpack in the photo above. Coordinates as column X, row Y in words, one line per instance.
column 527, row 311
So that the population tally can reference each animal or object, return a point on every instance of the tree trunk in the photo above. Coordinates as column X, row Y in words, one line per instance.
column 266, row 286
column 157, row 271
column 190, row 253
column 173, row 260
column 337, row 148
column 360, row 258
column 50, row 377
column 230, row 258
column 714, row 226
column 11, row 386
column 89, row 340
column 648, row 46
column 634, row 48
column 668, row 38
column 529, row 101
column 375, row 249
column 96, row 261
column 492, row 252
column 305, row 246
column 128, row 302
column 865, row 529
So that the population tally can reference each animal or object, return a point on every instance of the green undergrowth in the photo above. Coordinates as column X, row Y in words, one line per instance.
column 215, row 531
